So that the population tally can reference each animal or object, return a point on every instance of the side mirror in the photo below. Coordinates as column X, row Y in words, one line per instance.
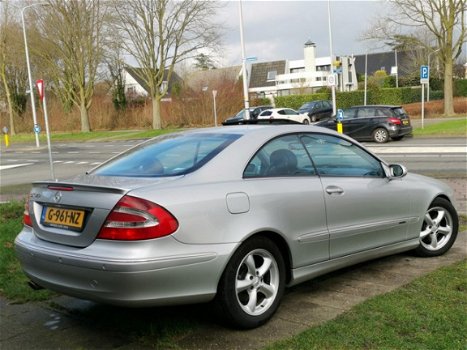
column 397, row 171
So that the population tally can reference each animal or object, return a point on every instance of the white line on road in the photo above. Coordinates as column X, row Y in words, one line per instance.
column 73, row 152
column 83, row 162
column 408, row 150
column 5, row 167
column 69, row 162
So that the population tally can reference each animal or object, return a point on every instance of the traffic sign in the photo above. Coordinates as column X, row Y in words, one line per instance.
column 424, row 74
column 37, row 128
column 331, row 79
column 40, row 88
column 340, row 115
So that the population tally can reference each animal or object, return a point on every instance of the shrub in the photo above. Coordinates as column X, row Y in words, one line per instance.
column 460, row 87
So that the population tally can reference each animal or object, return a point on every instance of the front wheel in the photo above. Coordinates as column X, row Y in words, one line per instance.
column 306, row 121
column 381, row 135
column 439, row 229
column 252, row 284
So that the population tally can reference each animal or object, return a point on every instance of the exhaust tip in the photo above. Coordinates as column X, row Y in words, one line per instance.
column 34, row 285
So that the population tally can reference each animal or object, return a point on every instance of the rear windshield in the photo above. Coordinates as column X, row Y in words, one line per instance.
column 169, row 155
column 399, row 111
column 307, row 105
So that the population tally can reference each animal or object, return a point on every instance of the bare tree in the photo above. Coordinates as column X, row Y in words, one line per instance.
column 73, row 37
column 12, row 67
column 443, row 19
column 161, row 33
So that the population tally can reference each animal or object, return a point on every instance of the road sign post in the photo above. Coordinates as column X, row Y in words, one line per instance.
column 41, row 90
column 340, row 118
column 424, row 79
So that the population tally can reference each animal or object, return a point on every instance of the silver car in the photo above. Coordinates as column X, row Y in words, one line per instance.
column 232, row 215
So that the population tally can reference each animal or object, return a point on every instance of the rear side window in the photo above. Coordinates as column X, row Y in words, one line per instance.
column 170, row 155
column 284, row 156
column 399, row 112
column 266, row 113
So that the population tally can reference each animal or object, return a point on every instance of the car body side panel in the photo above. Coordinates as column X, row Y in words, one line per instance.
column 371, row 212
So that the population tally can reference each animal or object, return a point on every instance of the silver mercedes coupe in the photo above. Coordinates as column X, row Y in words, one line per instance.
column 231, row 215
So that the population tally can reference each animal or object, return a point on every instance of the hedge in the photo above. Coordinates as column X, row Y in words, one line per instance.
column 460, row 87
column 388, row 96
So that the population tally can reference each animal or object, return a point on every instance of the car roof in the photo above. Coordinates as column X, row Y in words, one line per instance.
column 379, row 106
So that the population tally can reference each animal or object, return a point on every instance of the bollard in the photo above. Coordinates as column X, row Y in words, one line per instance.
column 340, row 129
column 5, row 136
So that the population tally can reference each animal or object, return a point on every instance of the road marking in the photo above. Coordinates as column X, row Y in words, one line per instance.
column 5, row 167
column 58, row 161
column 95, row 163
column 408, row 150
column 73, row 152
column 69, row 162
column 83, row 162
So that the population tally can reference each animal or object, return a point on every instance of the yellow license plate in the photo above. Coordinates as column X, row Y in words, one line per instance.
column 63, row 218
column 405, row 122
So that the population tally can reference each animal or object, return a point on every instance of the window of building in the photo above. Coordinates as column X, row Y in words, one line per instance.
column 271, row 75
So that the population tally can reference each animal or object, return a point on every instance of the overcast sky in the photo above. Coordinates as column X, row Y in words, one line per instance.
column 275, row 30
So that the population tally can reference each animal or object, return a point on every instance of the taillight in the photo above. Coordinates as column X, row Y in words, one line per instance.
column 26, row 217
column 137, row 219
column 394, row 121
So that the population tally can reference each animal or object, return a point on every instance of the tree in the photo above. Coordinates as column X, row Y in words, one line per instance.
column 161, row 33
column 13, row 74
column 443, row 19
column 72, row 31
column 204, row 62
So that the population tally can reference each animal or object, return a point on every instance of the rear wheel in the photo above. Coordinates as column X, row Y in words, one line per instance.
column 439, row 229
column 380, row 135
column 252, row 284
column 306, row 121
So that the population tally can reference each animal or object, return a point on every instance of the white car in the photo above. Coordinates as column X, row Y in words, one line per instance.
column 284, row 113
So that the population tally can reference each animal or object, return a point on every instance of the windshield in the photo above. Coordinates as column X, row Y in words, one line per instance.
column 307, row 105
column 170, row 155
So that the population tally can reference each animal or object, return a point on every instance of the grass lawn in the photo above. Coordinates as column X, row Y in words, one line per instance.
column 13, row 283
column 429, row 313
column 444, row 128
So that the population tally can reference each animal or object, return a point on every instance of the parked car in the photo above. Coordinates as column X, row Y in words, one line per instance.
column 373, row 123
column 239, row 118
column 231, row 214
column 317, row 110
column 284, row 113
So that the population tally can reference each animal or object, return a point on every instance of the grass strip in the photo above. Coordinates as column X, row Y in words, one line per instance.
column 13, row 282
column 428, row 313
column 444, row 128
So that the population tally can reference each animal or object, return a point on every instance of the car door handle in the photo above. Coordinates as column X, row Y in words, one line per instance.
column 334, row 190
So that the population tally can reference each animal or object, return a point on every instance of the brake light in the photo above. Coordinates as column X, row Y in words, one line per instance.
column 137, row 219
column 394, row 121
column 26, row 217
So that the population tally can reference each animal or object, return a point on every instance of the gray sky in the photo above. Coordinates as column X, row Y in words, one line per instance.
column 275, row 30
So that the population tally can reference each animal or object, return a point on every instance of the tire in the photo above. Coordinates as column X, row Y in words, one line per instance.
column 252, row 284
column 381, row 135
column 439, row 229
column 306, row 121
column 397, row 138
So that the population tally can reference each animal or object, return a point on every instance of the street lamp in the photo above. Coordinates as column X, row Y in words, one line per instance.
column 428, row 85
column 333, row 87
column 244, row 72
column 31, row 88
column 366, row 76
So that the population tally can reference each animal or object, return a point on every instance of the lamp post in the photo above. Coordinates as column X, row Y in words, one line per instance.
column 428, row 85
column 31, row 89
column 366, row 76
column 244, row 72
column 397, row 68
column 333, row 87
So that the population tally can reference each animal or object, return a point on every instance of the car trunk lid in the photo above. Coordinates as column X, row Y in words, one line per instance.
column 73, row 212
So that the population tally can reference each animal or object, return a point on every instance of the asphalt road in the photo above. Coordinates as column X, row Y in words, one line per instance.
column 22, row 164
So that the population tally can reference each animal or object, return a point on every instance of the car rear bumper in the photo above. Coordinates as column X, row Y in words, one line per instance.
column 144, row 273
column 397, row 131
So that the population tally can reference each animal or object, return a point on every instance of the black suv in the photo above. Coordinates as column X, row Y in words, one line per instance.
column 239, row 118
column 317, row 110
column 377, row 123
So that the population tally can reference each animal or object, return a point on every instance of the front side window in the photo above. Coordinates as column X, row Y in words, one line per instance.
column 170, row 155
column 333, row 156
column 283, row 156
